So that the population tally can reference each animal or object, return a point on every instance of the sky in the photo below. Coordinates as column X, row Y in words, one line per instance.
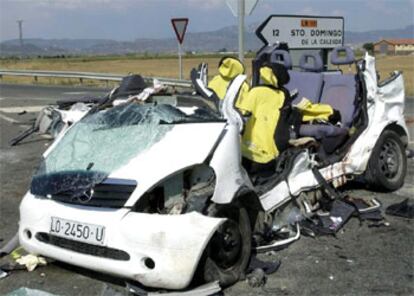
column 132, row 19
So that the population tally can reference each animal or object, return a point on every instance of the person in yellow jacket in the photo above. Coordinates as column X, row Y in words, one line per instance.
column 229, row 68
column 266, row 132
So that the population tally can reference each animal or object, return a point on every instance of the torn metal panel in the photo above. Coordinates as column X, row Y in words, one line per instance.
column 276, row 197
column 280, row 243
column 226, row 162
column 230, row 113
column 300, row 179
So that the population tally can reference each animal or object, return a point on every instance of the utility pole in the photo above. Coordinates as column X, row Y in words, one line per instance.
column 20, row 23
column 241, row 10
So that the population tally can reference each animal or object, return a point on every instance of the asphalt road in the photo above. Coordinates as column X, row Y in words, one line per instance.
column 360, row 260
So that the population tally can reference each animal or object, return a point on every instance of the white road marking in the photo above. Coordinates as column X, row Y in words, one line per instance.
column 9, row 119
column 20, row 109
column 76, row 93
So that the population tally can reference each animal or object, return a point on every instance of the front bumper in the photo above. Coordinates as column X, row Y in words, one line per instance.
column 174, row 243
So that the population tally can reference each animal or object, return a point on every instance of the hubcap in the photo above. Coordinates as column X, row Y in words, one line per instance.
column 389, row 159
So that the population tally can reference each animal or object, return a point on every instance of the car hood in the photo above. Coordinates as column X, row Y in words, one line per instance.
column 183, row 146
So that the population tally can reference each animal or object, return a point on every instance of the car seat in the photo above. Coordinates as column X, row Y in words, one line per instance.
column 229, row 68
column 266, row 132
column 340, row 92
column 303, row 84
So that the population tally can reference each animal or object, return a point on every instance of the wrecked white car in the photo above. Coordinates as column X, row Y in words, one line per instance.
column 157, row 193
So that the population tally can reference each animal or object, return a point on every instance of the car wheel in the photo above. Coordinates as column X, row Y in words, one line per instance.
column 228, row 253
column 387, row 166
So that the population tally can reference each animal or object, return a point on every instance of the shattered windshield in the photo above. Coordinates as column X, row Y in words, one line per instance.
column 104, row 141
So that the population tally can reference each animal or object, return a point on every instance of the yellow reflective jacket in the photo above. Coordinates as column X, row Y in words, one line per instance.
column 311, row 111
column 264, row 102
column 228, row 69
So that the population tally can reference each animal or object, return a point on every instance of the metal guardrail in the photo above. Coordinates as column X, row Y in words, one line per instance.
column 90, row 75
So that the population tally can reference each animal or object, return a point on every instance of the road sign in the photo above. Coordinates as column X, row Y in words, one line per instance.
column 180, row 26
column 249, row 6
column 303, row 31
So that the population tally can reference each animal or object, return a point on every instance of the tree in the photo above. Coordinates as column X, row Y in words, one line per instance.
column 368, row 46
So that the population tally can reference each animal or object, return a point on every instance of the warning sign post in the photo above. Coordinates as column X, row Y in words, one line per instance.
column 180, row 27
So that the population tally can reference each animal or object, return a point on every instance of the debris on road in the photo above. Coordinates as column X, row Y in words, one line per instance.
column 31, row 261
column 403, row 209
column 340, row 211
column 19, row 259
column 334, row 220
column 258, row 270
column 379, row 224
column 268, row 267
column 257, row 278
column 366, row 209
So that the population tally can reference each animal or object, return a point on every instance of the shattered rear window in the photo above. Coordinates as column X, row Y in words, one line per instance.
column 104, row 141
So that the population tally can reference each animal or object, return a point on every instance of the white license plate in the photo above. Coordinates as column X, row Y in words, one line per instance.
column 79, row 231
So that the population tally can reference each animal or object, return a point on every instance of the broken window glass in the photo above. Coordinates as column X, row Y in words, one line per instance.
column 103, row 142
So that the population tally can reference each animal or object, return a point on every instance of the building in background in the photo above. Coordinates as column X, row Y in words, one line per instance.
column 394, row 46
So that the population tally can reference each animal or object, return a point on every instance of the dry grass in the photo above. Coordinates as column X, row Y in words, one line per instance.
column 165, row 67
column 387, row 64
column 168, row 67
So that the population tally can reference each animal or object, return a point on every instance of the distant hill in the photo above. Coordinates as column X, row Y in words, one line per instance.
column 219, row 40
column 373, row 36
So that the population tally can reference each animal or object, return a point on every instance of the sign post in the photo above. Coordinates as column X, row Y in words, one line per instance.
column 180, row 27
column 240, row 8
column 241, row 30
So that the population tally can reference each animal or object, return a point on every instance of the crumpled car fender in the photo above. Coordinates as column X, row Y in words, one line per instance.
column 226, row 162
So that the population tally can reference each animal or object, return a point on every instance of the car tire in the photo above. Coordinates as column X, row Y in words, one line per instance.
column 387, row 166
column 227, row 255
